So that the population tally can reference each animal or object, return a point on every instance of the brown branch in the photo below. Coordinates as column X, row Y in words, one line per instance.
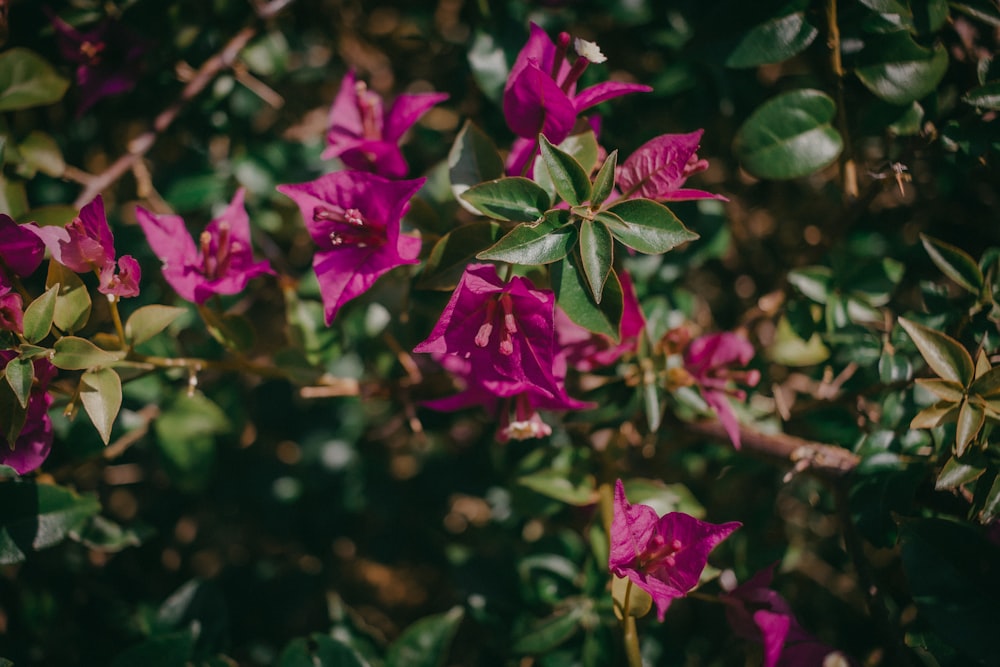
column 828, row 461
column 139, row 146
column 848, row 167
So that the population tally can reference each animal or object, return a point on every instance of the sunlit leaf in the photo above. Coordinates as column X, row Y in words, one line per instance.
column 954, row 263
column 101, row 395
column 542, row 243
column 569, row 178
column 945, row 355
column 427, row 642
column 148, row 321
column 27, row 80
column 899, row 70
column 516, row 199
column 779, row 38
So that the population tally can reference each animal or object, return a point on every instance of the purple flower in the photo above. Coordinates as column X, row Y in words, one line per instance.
column 86, row 244
column 503, row 328
column 709, row 360
column 108, row 58
column 663, row 556
column 222, row 261
column 586, row 350
column 20, row 250
column 32, row 445
column 658, row 169
column 11, row 308
column 365, row 140
column 758, row 613
column 353, row 218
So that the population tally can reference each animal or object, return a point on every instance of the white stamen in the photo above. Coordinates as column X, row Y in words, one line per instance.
column 589, row 50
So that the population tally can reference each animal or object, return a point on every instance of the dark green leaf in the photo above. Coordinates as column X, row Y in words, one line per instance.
column 899, row 70
column 75, row 354
column 777, row 39
column 38, row 315
column 789, row 136
column 574, row 298
column 991, row 505
column 185, row 433
column 27, row 80
column 548, row 633
column 517, row 199
column 169, row 650
column 596, row 255
column 945, row 355
column 954, row 263
column 319, row 651
column 427, row 642
column 20, row 373
column 580, row 490
column 569, row 178
column 454, row 251
column 105, row 535
column 148, row 321
column 813, row 281
column 101, row 395
column 604, row 182
column 473, row 159
column 649, row 227
column 955, row 473
column 984, row 97
column 37, row 516
column 542, row 243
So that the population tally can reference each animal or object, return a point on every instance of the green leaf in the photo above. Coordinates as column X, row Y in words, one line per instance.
column 101, row 395
column 488, row 64
column 76, row 354
column 548, row 633
column 427, row 642
column 789, row 136
column 574, row 298
column 946, row 390
column 814, row 282
column 933, row 416
column 54, row 214
column 984, row 97
column 38, row 315
column 516, row 199
column 646, row 226
column 569, row 178
column 542, row 243
column 898, row 70
column 604, row 182
column 319, row 651
column 27, row 80
column 596, row 254
column 954, row 263
column 174, row 649
column 454, row 251
column 970, row 421
column 105, row 535
column 233, row 330
column 583, row 148
column 991, row 505
column 20, row 373
column 12, row 415
column 40, row 152
column 185, row 433
column 953, row 572
column 38, row 516
column 13, row 197
column 73, row 303
column 956, row 473
column 580, row 491
column 777, row 39
column 473, row 159
column 986, row 11
column 148, row 321
column 945, row 355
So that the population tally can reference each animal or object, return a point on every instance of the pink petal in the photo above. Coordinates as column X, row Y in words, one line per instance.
column 773, row 629
column 720, row 403
column 534, row 104
column 407, row 110
column 20, row 248
column 605, row 91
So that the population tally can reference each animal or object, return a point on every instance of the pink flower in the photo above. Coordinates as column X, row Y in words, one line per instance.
column 365, row 140
column 21, row 251
column 658, row 169
column 586, row 350
column 503, row 328
column 709, row 360
column 32, row 445
column 663, row 556
column 354, row 218
column 86, row 244
column 11, row 308
column 222, row 261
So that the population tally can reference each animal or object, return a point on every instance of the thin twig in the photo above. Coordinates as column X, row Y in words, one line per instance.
column 848, row 168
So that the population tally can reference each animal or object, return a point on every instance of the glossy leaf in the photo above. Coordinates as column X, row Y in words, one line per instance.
column 27, row 80
column 74, row 354
column 604, row 182
column 19, row 374
column 427, row 642
column 970, row 422
column 649, row 227
column 984, row 97
column 573, row 296
column 991, row 505
column 456, row 250
column 516, row 199
column 814, row 282
column 596, row 255
column 946, row 390
column 777, row 39
column 956, row 473
column 73, row 303
column 789, row 136
column 933, row 416
column 38, row 315
column 38, row 516
column 945, row 355
column 319, row 650
column 473, row 159
column 954, row 263
column 900, row 71
column 569, row 178
column 101, row 395
column 148, row 321
column 543, row 243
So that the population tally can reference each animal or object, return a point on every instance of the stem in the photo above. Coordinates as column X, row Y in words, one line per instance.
column 630, row 634
column 848, row 168
column 117, row 319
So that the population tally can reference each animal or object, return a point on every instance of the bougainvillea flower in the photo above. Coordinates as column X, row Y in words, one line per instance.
column 220, row 263
column 759, row 613
column 586, row 350
column 503, row 328
column 663, row 556
column 354, row 218
column 86, row 244
column 366, row 140
column 21, row 250
column 540, row 96
column 515, row 404
column 32, row 445
column 659, row 168
column 108, row 58
column 710, row 360
column 11, row 308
